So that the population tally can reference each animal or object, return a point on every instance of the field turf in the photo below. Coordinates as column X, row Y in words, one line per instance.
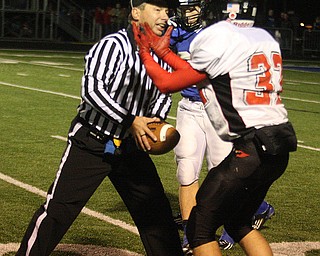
column 39, row 94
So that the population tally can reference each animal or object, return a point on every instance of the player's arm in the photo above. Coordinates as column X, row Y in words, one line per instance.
column 175, row 81
column 183, row 75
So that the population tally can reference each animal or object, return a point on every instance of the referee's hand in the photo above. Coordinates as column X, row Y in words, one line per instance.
column 139, row 129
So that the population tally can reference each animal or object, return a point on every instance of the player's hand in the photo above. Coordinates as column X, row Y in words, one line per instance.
column 139, row 130
column 160, row 44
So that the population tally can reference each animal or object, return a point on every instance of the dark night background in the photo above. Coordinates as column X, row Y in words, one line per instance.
column 307, row 10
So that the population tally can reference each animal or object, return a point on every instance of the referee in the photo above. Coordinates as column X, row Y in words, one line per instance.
column 107, row 138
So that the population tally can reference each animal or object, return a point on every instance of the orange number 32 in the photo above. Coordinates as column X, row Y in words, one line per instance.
column 267, row 92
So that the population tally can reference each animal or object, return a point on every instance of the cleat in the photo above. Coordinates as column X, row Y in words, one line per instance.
column 187, row 251
column 260, row 219
column 225, row 241
column 225, row 245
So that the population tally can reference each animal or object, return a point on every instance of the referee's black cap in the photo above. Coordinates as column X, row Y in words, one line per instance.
column 160, row 3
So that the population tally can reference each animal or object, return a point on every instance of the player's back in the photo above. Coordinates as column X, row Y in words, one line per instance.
column 245, row 70
column 224, row 48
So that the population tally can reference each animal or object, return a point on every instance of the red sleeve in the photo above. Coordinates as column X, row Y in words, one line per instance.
column 182, row 77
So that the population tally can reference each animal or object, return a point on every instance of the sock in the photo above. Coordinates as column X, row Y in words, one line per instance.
column 185, row 239
column 225, row 236
column 262, row 208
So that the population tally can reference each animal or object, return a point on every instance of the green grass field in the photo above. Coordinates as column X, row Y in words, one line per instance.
column 39, row 94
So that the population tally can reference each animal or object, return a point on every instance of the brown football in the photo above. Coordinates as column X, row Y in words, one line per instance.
column 168, row 137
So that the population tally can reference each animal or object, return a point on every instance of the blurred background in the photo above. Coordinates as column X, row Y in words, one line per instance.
column 71, row 24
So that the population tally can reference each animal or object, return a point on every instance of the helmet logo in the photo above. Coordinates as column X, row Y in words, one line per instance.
column 233, row 7
column 232, row 15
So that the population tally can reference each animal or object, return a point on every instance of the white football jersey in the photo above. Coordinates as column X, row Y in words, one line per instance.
column 244, row 67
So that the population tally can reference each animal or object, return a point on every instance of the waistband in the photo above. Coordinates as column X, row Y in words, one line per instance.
column 94, row 132
column 193, row 99
column 191, row 105
column 113, row 146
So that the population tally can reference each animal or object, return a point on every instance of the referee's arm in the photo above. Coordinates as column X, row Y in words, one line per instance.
column 94, row 87
column 162, row 106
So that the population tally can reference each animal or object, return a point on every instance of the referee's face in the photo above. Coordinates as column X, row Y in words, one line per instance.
column 155, row 16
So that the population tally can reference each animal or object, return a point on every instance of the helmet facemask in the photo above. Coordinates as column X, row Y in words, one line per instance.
column 189, row 14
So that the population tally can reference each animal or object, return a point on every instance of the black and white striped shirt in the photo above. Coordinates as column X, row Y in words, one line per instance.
column 116, row 87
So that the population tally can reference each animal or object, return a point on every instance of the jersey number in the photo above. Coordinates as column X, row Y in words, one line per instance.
column 264, row 83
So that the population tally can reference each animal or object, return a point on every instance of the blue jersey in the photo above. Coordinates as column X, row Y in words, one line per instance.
column 180, row 41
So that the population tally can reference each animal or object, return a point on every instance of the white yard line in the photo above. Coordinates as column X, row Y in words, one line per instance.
column 298, row 82
column 85, row 210
column 169, row 117
column 299, row 145
column 59, row 137
column 39, row 90
column 307, row 147
column 77, row 97
column 61, row 65
column 297, row 99
column 50, row 92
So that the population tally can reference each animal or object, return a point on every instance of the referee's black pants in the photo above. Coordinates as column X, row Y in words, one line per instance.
column 81, row 171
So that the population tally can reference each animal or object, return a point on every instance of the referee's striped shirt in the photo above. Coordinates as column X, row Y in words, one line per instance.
column 116, row 88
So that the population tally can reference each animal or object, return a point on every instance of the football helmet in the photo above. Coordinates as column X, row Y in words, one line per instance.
column 191, row 22
column 239, row 12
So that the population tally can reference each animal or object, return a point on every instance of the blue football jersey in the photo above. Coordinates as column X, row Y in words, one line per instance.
column 180, row 41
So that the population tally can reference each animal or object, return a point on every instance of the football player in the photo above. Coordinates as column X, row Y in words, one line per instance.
column 198, row 136
column 238, row 71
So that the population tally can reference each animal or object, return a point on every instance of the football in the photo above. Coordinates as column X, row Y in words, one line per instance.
column 168, row 137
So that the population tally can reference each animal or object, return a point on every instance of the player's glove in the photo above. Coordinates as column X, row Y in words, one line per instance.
column 159, row 44
column 147, row 39
column 166, row 82
column 142, row 42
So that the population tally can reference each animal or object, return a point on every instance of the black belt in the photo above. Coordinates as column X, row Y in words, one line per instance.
column 94, row 132
column 193, row 99
column 126, row 145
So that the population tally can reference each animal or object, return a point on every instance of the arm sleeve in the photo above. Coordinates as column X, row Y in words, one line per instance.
column 161, row 107
column 102, row 62
column 182, row 77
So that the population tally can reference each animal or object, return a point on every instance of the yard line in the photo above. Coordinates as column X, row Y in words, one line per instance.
column 51, row 92
column 77, row 97
column 297, row 99
column 172, row 117
column 42, row 64
column 85, row 210
column 81, row 57
column 59, row 137
column 169, row 117
column 54, row 55
column 307, row 147
column 299, row 145
column 301, row 82
column 296, row 69
column 40, row 90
